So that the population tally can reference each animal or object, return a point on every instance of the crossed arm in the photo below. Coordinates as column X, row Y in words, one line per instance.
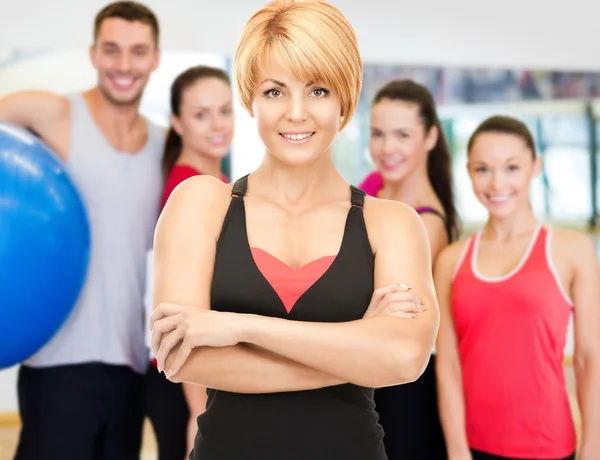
column 250, row 353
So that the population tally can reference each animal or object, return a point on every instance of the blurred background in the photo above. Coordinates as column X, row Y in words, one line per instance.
column 524, row 58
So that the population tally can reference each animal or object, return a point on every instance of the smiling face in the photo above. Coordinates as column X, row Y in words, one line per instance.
column 205, row 122
column 125, row 55
column 501, row 167
column 297, row 120
column 399, row 142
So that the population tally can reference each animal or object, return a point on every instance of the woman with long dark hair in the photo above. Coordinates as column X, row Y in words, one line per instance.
column 413, row 166
column 198, row 140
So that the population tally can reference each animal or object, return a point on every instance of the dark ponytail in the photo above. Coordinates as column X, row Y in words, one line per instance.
column 172, row 151
column 438, row 162
column 173, row 143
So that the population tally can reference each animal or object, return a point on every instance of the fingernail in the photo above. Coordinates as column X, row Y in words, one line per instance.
column 404, row 287
column 419, row 300
column 168, row 374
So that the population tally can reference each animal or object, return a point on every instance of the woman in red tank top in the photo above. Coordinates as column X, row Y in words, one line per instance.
column 506, row 296
column 199, row 138
column 412, row 158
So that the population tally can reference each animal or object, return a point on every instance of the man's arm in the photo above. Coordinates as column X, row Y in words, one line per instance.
column 43, row 112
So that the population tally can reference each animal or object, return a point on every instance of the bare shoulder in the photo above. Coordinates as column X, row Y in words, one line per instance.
column 433, row 222
column 199, row 202
column 571, row 238
column 203, row 190
column 391, row 215
column 392, row 220
column 436, row 231
column 450, row 256
column 572, row 245
column 56, row 104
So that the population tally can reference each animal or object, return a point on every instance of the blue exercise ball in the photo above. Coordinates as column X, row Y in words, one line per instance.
column 44, row 244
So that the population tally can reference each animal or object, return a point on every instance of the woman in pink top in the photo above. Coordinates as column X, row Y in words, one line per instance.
column 413, row 166
column 199, row 138
column 506, row 295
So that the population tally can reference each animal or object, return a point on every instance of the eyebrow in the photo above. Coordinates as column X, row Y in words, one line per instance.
column 508, row 160
column 395, row 130
column 116, row 45
column 203, row 107
column 279, row 83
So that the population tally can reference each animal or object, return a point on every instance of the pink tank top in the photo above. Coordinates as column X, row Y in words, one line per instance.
column 372, row 183
column 511, row 334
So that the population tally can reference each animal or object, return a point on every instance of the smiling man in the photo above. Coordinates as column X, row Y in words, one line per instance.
column 81, row 395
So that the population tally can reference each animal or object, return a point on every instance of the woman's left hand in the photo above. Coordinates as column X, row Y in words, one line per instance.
column 191, row 327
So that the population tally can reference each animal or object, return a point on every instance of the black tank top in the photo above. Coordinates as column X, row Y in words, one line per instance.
column 330, row 423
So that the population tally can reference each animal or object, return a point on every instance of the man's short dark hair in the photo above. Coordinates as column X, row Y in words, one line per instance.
column 129, row 11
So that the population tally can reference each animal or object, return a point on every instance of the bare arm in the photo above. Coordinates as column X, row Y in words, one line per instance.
column 436, row 232
column 586, row 296
column 374, row 352
column 45, row 113
column 449, row 375
column 195, row 397
column 184, row 255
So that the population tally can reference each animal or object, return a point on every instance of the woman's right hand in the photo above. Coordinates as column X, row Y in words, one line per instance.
column 395, row 300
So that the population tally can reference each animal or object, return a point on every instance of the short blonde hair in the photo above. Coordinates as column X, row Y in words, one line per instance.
column 312, row 39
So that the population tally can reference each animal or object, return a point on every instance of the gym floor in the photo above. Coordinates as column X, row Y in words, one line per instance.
column 9, row 433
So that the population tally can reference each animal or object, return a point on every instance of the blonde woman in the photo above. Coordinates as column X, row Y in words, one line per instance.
column 290, row 294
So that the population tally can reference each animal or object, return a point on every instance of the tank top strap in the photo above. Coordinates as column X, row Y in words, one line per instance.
column 430, row 210
column 464, row 265
column 357, row 247
column 357, row 198
column 156, row 136
column 233, row 230
column 240, row 186
column 78, row 107
column 435, row 212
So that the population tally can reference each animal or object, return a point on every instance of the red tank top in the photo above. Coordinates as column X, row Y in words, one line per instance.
column 511, row 334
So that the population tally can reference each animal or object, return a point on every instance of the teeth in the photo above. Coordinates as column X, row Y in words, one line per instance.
column 297, row 137
column 498, row 199
column 123, row 81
